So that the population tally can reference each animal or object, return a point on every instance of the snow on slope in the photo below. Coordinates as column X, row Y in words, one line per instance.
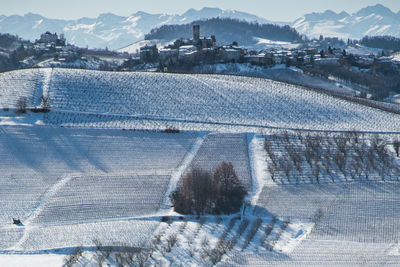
column 135, row 47
column 71, row 186
column 16, row 84
column 37, row 159
column 359, row 222
column 52, row 237
column 133, row 100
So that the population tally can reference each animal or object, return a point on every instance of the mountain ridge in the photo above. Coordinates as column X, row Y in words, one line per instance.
column 109, row 30
column 114, row 31
column 372, row 20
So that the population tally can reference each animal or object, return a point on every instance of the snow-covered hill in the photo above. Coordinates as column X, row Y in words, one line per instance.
column 109, row 30
column 372, row 20
column 215, row 102
column 72, row 185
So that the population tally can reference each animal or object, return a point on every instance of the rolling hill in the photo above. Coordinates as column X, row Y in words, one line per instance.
column 95, row 173
column 132, row 100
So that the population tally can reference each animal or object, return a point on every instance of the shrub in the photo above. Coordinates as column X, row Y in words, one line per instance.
column 171, row 130
column 200, row 193
column 165, row 219
column 22, row 104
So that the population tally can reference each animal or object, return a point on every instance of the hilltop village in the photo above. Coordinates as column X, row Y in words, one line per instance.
column 52, row 50
column 205, row 50
column 367, row 70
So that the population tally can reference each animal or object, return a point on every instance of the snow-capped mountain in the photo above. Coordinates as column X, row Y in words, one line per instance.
column 114, row 32
column 109, row 30
column 372, row 20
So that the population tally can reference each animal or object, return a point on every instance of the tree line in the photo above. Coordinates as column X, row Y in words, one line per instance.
column 322, row 158
column 227, row 31
column 381, row 42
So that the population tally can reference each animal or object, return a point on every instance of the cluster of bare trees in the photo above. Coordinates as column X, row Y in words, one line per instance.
column 295, row 158
column 119, row 253
column 202, row 193
column 236, row 232
column 21, row 105
column 122, row 254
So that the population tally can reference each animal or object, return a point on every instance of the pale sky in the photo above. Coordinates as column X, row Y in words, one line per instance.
column 276, row 10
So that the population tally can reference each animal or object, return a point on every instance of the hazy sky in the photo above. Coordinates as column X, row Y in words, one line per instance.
column 277, row 10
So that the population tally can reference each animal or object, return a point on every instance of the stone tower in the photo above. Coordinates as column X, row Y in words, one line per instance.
column 196, row 33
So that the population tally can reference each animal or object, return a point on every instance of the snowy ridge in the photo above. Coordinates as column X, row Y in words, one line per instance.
column 110, row 30
column 373, row 20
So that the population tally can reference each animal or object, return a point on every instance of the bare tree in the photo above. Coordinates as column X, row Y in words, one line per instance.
column 295, row 156
column 318, row 215
column 171, row 241
column 73, row 258
column 45, row 102
column 143, row 256
column 227, row 189
column 286, row 166
column 340, row 160
column 317, row 172
column 273, row 170
column 396, row 146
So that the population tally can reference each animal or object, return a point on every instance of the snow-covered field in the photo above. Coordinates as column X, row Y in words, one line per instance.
column 82, row 173
column 359, row 225
column 53, row 176
column 356, row 222
column 210, row 102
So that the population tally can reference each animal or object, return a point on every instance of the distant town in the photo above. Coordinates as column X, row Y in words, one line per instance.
column 375, row 72
column 205, row 50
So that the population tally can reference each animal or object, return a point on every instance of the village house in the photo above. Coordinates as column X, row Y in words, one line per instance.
column 149, row 53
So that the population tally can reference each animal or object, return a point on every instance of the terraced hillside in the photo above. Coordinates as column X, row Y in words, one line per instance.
column 74, row 180
column 358, row 225
column 215, row 102
column 356, row 218
column 55, row 176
